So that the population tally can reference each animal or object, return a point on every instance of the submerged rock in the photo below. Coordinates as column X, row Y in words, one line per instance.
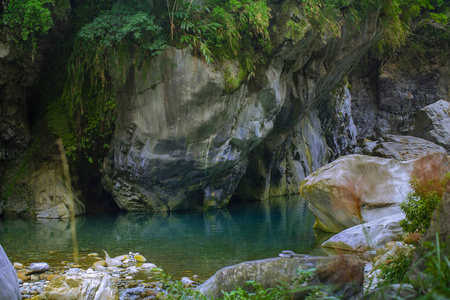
column 9, row 283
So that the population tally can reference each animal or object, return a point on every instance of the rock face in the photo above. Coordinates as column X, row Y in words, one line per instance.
column 9, row 283
column 343, row 274
column 17, row 74
column 181, row 143
column 35, row 186
column 387, row 99
column 81, row 285
column 368, row 236
column 357, row 189
column 433, row 124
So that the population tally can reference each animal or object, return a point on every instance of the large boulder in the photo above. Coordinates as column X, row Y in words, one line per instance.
column 343, row 275
column 368, row 236
column 9, row 283
column 433, row 123
column 87, row 285
column 402, row 147
column 357, row 188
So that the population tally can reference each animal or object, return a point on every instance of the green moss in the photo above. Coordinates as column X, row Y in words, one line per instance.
column 233, row 80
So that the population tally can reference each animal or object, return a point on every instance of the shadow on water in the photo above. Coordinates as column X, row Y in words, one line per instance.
column 179, row 242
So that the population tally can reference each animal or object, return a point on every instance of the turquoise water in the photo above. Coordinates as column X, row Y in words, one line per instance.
column 180, row 242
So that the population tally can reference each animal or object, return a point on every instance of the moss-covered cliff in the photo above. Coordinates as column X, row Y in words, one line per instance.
column 183, row 104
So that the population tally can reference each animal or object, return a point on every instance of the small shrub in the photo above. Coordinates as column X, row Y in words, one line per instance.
column 396, row 270
column 436, row 282
column 421, row 203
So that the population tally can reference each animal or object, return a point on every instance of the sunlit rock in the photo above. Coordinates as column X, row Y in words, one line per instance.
column 357, row 189
column 81, row 285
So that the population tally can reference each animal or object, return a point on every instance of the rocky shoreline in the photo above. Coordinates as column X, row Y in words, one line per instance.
column 127, row 276
column 130, row 276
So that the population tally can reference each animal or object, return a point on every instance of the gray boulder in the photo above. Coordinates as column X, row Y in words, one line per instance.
column 368, row 236
column 343, row 275
column 403, row 147
column 433, row 124
column 9, row 283
column 38, row 267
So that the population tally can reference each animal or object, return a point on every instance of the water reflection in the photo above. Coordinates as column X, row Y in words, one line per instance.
column 201, row 242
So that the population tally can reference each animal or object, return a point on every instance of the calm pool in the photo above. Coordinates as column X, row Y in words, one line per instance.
column 180, row 242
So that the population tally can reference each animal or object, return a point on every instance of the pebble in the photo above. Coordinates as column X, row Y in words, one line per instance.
column 34, row 277
column 39, row 267
column 139, row 258
column 22, row 276
column 18, row 266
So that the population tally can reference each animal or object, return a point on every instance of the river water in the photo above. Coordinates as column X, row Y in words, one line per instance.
column 182, row 243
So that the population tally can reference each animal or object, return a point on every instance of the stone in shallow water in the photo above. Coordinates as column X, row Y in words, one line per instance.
column 39, row 267
column 139, row 258
column 148, row 266
column 18, row 266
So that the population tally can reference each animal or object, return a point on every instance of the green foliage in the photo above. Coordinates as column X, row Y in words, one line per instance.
column 223, row 30
column 29, row 17
column 436, row 282
column 258, row 293
column 421, row 203
column 127, row 21
column 418, row 212
column 191, row 27
column 84, row 117
column 244, row 32
column 396, row 271
column 253, row 290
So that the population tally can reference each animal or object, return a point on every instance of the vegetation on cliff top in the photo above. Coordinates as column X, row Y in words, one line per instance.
column 107, row 33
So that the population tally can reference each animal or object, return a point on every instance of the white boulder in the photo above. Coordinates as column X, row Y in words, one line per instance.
column 368, row 236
